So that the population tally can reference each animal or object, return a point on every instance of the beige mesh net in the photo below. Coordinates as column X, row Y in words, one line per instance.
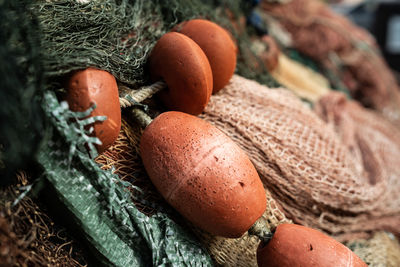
column 342, row 47
column 374, row 143
column 302, row 162
column 125, row 160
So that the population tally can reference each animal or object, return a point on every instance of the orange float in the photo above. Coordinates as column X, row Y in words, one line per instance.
column 218, row 46
column 184, row 67
column 93, row 86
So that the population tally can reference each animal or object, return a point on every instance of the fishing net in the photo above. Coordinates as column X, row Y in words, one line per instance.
column 374, row 143
column 124, row 160
column 312, row 175
column 100, row 205
column 111, row 203
column 123, row 157
column 118, row 36
column 341, row 47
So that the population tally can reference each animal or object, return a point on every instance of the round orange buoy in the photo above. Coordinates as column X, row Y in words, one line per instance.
column 217, row 44
column 181, row 63
column 296, row 245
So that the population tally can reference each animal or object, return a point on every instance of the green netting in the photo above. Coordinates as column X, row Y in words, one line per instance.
column 118, row 36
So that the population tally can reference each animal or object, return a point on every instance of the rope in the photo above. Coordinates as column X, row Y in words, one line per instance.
column 261, row 230
column 141, row 117
column 141, row 94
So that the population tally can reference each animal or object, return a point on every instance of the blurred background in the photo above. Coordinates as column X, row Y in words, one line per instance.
column 381, row 18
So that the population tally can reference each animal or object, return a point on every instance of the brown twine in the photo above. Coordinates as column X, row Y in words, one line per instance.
column 323, row 35
column 141, row 117
column 124, row 157
column 28, row 237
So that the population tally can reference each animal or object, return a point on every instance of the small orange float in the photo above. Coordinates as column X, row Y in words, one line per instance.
column 93, row 86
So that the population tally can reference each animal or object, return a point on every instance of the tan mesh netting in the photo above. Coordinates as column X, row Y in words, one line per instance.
column 300, row 159
column 374, row 143
column 342, row 47
column 124, row 157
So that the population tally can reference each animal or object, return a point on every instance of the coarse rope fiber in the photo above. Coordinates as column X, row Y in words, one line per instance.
column 29, row 237
column 141, row 94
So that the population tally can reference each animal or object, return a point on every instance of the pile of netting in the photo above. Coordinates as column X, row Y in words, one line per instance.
column 118, row 36
column 345, row 185
column 29, row 237
column 336, row 172
column 341, row 47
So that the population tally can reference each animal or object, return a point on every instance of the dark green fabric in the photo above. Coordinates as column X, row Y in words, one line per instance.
column 21, row 118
